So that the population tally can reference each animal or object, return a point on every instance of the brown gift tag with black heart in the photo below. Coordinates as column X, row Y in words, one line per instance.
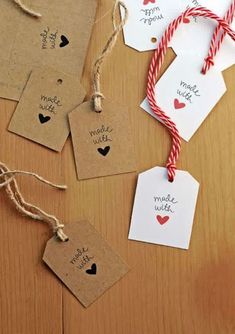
column 42, row 113
column 58, row 39
column 101, row 130
column 102, row 142
column 86, row 263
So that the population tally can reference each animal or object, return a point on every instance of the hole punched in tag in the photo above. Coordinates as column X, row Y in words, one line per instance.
column 97, row 96
column 153, row 39
column 59, row 81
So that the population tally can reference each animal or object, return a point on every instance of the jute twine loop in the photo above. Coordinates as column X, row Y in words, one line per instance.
column 8, row 182
column 97, row 96
column 26, row 9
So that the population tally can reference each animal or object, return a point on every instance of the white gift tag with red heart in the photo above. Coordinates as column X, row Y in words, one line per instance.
column 186, row 95
column 163, row 211
column 148, row 20
column 195, row 37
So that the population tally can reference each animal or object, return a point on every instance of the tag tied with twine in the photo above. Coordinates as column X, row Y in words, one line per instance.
column 9, row 184
column 101, row 129
column 81, row 258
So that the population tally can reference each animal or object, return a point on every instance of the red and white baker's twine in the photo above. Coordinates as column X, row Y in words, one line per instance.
column 217, row 40
column 154, row 69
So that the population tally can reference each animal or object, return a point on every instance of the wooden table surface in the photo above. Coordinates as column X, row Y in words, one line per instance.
column 168, row 291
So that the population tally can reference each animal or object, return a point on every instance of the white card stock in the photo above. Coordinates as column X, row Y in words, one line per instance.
column 194, row 37
column 148, row 20
column 163, row 211
column 186, row 95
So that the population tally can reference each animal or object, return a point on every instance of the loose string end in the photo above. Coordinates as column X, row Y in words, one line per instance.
column 27, row 10
column 12, row 173
column 9, row 183
column 62, row 187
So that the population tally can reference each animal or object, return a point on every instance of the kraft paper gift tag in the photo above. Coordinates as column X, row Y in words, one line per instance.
column 86, row 263
column 42, row 113
column 102, row 142
column 101, row 130
column 58, row 39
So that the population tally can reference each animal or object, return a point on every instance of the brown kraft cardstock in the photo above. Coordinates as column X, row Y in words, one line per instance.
column 102, row 142
column 42, row 113
column 59, row 39
column 86, row 264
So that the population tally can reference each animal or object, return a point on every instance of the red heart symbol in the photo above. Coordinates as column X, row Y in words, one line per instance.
column 162, row 220
column 146, row 2
column 186, row 20
column 178, row 104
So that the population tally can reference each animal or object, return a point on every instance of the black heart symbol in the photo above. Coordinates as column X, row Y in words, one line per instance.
column 64, row 41
column 93, row 270
column 43, row 119
column 104, row 151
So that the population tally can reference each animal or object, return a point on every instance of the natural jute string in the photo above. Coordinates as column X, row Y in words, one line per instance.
column 26, row 9
column 154, row 71
column 8, row 182
column 97, row 95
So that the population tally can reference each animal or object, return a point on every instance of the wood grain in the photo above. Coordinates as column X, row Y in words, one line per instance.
column 168, row 291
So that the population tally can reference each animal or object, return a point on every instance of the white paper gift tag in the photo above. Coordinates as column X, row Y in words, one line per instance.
column 195, row 36
column 186, row 95
column 163, row 211
column 147, row 21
